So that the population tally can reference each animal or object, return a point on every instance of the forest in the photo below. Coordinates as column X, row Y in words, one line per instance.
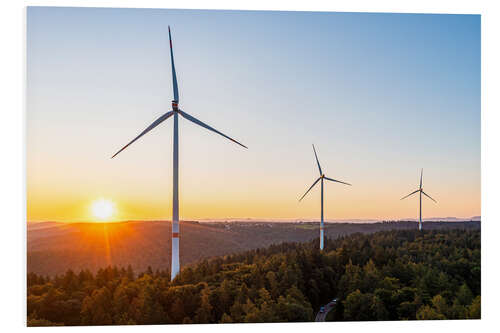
column 387, row 275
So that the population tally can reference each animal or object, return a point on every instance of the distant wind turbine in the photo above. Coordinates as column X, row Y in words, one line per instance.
column 421, row 190
column 175, row 197
column 321, row 177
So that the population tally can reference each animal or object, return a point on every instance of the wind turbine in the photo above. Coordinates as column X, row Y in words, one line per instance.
column 322, row 177
column 175, row 197
column 421, row 190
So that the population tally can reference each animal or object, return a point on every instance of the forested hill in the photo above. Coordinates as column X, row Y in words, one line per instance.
column 55, row 247
column 389, row 275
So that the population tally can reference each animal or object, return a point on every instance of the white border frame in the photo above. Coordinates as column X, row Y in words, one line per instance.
column 12, row 168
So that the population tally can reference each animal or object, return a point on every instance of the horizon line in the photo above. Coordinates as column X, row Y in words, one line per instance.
column 276, row 220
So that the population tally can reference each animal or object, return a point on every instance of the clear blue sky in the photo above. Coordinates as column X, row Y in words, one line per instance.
column 380, row 95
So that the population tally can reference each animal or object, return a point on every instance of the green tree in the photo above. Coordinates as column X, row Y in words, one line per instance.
column 96, row 308
column 464, row 295
column 359, row 306
column 474, row 310
column 204, row 312
column 226, row 319
column 428, row 313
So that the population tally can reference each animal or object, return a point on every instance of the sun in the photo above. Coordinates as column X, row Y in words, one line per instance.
column 103, row 209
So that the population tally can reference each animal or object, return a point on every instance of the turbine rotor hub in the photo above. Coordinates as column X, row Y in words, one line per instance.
column 175, row 106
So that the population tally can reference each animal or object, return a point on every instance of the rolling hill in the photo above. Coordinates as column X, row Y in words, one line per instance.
column 54, row 247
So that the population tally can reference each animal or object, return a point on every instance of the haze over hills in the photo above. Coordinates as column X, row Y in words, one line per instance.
column 55, row 247
column 365, row 220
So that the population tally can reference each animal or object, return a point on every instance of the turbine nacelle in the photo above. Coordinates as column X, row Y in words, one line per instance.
column 175, row 105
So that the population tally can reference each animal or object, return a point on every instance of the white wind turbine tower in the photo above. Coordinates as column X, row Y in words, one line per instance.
column 175, row 193
column 321, row 177
column 421, row 190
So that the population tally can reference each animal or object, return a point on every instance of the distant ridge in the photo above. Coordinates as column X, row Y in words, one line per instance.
column 55, row 247
column 286, row 220
column 447, row 219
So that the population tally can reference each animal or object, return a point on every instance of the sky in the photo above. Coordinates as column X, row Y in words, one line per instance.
column 380, row 95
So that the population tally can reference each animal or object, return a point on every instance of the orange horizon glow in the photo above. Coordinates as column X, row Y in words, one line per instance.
column 76, row 209
column 69, row 197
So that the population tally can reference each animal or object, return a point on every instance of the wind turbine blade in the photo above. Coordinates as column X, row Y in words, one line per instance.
column 317, row 180
column 409, row 194
column 202, row 124
column 428, row 196
column 317, row 161
column 150, row 127
column 421, row 174
column 337, row 181
column 174, row 76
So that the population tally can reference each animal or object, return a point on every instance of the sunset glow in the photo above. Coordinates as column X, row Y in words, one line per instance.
column 102, row 209
column 375, row 121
